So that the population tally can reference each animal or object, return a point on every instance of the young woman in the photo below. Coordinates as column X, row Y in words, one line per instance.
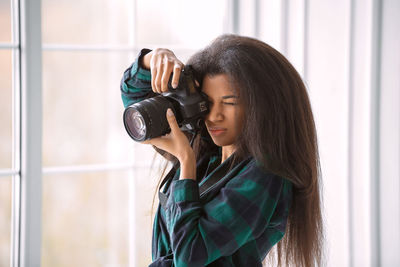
column 257, row 153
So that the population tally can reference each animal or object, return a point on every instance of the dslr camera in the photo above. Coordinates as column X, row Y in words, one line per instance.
column 146, row 119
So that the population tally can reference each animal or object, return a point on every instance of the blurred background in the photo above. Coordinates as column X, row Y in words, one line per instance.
column 75, row 190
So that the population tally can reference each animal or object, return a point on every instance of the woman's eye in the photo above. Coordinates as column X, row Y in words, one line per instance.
column 226, row 103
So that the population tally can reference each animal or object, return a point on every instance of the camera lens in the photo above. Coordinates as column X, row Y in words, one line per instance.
column 146, row 119
column 136, row 125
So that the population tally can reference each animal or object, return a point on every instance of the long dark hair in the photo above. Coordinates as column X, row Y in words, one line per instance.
column 279, row 132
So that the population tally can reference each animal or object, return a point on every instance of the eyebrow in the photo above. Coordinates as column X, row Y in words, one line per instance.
column 224, row 97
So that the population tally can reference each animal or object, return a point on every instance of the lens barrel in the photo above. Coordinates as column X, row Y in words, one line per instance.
column 142, row 120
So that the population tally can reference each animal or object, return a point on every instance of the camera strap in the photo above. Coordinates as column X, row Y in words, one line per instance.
column 216, row 175
column 162, row 197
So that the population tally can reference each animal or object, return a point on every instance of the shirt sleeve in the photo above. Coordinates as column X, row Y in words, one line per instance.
column 136, row 82
column 241, row 212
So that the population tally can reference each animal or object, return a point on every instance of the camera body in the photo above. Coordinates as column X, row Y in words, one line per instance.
column 146, row 119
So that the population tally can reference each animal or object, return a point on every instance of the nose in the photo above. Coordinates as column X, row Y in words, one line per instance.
column 215, row 114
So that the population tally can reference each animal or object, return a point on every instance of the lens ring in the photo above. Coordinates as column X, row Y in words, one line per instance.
column 135, row 124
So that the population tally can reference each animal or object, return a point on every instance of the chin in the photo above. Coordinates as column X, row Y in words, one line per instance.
column 221, row 143
column 217, row 143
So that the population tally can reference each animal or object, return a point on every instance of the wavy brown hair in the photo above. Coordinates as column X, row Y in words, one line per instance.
column 279, row 132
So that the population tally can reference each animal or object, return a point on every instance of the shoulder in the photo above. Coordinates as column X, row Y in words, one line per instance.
column 252, row 177
column 252, row 169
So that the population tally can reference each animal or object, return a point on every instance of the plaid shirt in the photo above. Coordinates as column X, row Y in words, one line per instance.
column 233, row 223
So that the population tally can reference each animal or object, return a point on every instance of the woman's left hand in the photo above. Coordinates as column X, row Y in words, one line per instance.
column 175, row 143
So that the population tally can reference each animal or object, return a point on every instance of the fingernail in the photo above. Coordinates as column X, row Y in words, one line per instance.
column 169, row 112
column 174, row 85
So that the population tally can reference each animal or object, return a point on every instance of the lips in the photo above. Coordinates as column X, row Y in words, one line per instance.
column 215, row 131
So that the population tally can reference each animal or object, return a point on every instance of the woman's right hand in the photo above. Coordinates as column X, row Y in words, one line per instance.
column 162, row 62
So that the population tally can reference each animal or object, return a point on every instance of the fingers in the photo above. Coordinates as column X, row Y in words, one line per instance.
column 153, row 70
column 148, row 141
column 164, row 62
column 159, row 68
column 172, row 121
column 177, row 73
column 168, row 67
column 172, row 124
column 164, row 142
column 156, row 141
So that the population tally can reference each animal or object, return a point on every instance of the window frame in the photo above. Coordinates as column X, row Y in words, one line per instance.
column 27, row 169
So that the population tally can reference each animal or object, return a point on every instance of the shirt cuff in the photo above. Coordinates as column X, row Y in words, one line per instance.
column 137, row 68
column 185, row 190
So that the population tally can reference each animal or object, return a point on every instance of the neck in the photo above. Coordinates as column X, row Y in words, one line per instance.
column 226, row 152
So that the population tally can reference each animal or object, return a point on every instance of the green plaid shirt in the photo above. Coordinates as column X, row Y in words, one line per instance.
column 233, row 223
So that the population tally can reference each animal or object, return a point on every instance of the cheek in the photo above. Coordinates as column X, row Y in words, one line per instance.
column 238, row 126
column 239, row 120
column 234, row 121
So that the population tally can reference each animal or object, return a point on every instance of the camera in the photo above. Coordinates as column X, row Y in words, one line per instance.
column 146, row 119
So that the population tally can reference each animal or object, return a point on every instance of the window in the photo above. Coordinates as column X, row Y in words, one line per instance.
column 95, row 190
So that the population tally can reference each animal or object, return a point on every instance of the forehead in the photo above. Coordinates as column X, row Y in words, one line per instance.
column 217, row 85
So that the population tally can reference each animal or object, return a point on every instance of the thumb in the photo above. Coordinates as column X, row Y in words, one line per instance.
column 172, row 120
